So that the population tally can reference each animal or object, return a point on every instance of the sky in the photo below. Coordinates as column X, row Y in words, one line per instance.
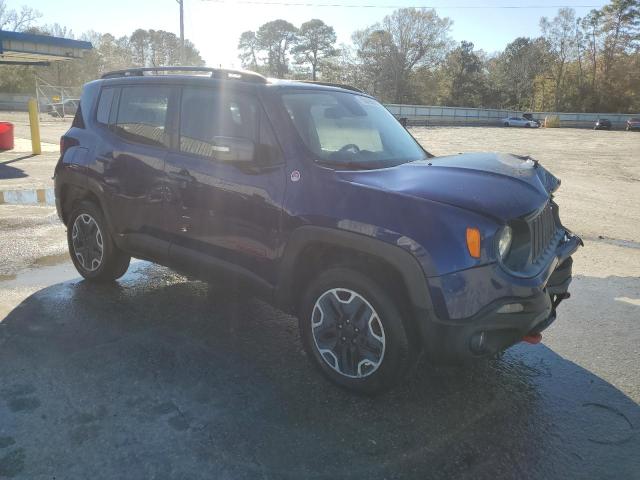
column 214, row 26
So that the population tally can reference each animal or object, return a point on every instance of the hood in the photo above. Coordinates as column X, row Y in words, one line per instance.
column 499, row 186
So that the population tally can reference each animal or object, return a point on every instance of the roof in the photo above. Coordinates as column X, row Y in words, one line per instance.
column 202, row 73
column 19, row 48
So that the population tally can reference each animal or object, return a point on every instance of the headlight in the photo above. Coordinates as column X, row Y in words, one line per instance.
column 504, row 241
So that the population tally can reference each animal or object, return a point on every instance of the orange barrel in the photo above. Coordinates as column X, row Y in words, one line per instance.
column 6, row 136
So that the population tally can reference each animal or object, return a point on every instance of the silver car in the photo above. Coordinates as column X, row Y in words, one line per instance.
column 519, row 122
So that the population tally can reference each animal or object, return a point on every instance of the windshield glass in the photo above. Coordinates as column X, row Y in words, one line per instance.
column 351, row 131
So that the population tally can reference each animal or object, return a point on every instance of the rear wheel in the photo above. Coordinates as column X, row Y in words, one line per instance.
column 353, row 331
column 91, row 247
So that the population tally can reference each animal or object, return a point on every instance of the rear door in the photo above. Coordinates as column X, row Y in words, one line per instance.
column 226, row 212
column 134, row 120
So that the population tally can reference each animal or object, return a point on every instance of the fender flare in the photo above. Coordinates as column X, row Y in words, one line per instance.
column 404, row 262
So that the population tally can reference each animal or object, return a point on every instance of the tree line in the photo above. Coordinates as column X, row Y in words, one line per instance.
column 578, row 64
column 143, row 48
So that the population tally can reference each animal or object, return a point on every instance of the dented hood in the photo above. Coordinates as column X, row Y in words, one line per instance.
column 496, row 185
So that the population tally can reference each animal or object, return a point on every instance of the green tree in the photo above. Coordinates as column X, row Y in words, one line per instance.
column 276, row 38
column 464, row 76
column 516, row 70
column 315, row 42
column 248, row 47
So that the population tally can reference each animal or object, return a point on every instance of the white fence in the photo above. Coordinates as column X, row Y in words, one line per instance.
column 426, row 115
column 14, row 101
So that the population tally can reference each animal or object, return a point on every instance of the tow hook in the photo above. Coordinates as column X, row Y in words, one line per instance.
column 532, row 338
column 559, row 298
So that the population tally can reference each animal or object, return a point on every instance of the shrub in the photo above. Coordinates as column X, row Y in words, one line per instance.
column 552, row 121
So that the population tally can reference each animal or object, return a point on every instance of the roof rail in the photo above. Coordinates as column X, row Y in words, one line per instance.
column 219, row 73
column 337, row 85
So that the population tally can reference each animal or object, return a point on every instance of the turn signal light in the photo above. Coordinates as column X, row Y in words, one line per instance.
column 473, row 242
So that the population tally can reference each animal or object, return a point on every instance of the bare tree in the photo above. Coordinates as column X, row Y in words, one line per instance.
column 17, row 20
column 411, row 38
column 560, row 34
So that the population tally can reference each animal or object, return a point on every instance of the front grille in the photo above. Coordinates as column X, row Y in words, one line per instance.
column 543, row 229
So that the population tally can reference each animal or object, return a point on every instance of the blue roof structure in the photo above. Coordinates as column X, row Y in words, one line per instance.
column 17, row 48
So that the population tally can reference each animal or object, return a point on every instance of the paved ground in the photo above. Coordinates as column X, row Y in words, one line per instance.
column 51, row 129
column 161, row 377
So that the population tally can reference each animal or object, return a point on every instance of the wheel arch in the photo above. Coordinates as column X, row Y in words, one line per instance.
column 70, row 194
column 311, row 248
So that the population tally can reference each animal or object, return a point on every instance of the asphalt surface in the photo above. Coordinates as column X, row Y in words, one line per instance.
column 161, row 377
column 165, row 378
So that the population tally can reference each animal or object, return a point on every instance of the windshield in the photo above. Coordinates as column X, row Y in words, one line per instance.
column 350, row 131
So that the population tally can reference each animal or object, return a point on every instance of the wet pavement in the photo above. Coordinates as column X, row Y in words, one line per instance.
column 161, row 377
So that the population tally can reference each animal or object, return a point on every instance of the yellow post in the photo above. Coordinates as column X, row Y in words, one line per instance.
column 34, row 123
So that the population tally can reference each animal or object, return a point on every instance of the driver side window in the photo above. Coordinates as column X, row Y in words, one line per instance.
column 207, row 115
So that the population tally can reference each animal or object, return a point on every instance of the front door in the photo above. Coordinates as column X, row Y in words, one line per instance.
column 227, row 208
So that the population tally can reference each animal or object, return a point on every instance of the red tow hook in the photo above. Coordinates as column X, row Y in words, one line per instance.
column 533, row 338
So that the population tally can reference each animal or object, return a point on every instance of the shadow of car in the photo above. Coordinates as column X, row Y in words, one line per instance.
column 160, row 374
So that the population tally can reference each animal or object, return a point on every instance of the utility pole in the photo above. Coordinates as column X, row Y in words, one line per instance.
column 181, row 3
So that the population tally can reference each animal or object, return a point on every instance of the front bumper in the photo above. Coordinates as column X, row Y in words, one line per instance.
column 505, row 320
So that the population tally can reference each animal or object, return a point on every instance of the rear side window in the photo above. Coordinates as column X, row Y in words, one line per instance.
column 206, row 114
column 142, row 114
column 78, row 121
column 104, row 105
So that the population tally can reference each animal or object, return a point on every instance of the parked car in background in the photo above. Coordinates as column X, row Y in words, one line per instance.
column 529, row 116
column 602, row 124
column 633, row 124
column 317, row 198
column 66, row 108
column 519, row 122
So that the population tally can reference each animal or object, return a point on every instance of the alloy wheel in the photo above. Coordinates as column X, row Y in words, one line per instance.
column 88, row 246
column 348, row 333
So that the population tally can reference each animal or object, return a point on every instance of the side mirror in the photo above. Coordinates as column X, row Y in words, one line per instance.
column 234, row 149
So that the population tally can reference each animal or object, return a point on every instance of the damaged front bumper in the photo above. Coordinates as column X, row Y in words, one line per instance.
column 505, row 320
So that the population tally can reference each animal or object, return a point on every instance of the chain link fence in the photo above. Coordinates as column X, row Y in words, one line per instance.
column 55, row 101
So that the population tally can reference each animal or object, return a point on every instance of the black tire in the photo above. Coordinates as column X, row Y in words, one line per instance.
column 113, row 262
column 506, row 124
column 396, row 357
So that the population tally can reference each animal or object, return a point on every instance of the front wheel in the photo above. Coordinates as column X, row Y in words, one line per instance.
column 91, row 248
column 353, row 330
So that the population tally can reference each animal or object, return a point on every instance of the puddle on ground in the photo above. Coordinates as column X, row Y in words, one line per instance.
column 51, row 260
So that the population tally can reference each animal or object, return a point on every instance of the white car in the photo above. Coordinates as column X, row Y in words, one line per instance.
column 519, row 122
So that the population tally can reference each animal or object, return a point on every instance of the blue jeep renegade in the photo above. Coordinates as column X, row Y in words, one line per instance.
column 316, row 198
